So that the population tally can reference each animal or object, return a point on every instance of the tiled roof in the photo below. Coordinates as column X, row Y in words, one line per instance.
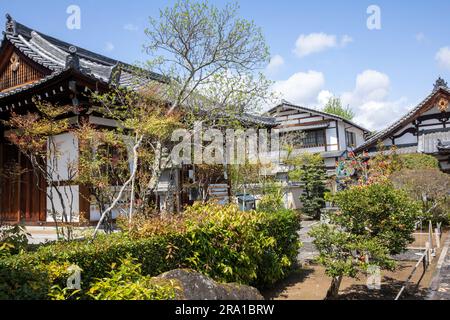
column 439, row 86
column 59, row 56
column 56, row 56
column 324, row 114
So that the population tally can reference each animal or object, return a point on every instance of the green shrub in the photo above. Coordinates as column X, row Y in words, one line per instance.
column 255, row 248
column 126, row 282
column 13, row 239
column 377, row 211
column 417, row 161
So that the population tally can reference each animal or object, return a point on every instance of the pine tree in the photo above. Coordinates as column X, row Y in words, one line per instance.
column 309, row 170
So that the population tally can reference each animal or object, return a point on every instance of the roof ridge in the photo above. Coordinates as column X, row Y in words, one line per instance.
column 393, row 126
column 285, row 102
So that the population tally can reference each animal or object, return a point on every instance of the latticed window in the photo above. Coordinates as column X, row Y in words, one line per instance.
column 351, row 139
column 313, row 138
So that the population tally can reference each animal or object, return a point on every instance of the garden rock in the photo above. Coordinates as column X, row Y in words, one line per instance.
column 196, row 286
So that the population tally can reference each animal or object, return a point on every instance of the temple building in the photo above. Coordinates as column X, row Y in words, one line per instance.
column 37, row 66
column 425, row 129
column 330, row 135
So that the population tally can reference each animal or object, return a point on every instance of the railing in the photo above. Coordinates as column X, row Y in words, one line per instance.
column 433, row 242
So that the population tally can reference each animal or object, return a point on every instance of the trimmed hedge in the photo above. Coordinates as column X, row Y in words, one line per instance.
column 254, row 248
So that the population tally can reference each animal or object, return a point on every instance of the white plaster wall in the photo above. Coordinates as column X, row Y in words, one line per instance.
column 70, row 195
column 332, row 139
column 342, row 140
column 62, row 157
column 406, row 139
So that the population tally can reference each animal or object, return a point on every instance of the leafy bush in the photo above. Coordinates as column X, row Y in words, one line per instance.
column 377, row 210
column 254, row 248
column 13, row 239
column 374, row 221
column 430, row 188
column 126, row 282
column 416, row 161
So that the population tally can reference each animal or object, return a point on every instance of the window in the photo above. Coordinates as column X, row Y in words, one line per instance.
column 304, row 139
column 314, row 138
column 351, row 139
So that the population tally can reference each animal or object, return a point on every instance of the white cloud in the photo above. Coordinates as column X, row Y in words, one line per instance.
column 276, row 62
column 443, row 57
column 369, row 100
column 130, row 27
column 346, row 39
column 377, row 115
column 314, row 42
column 301, row 88
column 420, row 37
column 323, row 97
column 109, row 46
column 318, row 42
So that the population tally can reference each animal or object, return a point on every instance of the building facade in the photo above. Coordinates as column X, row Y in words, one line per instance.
column 425, row 129
column 318, row 132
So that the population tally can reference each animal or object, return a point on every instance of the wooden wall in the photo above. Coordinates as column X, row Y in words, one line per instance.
column 22, row 191
column 16, row 72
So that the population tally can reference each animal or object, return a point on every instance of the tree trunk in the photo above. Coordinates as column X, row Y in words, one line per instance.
column 333, row 291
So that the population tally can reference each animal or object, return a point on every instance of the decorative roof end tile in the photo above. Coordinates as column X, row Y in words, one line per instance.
column 72, row 60
column 11, row 26
column 440, row 83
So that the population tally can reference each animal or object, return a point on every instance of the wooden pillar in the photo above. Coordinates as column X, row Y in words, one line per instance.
column 19, row 179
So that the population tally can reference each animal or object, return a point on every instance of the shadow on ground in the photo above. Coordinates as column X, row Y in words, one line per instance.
column 389, row 290
column 298, row 275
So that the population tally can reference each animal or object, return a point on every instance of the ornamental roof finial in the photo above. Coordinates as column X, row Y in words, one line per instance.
column 72, row 60
column 440, row 83
column 10, row 25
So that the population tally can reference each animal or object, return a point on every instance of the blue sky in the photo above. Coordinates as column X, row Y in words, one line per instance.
column 379, row 73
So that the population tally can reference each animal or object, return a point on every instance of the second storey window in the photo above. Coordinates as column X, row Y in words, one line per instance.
column 313, row 138
column 351, row 139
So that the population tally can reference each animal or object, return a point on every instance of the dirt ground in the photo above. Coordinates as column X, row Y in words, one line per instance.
column 309, row 282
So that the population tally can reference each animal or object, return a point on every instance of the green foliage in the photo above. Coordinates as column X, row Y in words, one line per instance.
column 272, row 199
column 377, row 211
column 309, row 170
column 13, row 239
column 254, row 248
column 417, row 161
column 344, row 254
column 334, row 106
column 374, row 222
column 245, row 247
column 429, row 187
column 126, row 282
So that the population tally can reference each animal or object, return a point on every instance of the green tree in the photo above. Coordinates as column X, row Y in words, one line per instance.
column 213, row 62
column 309, row 170
column 376, row 220
column 345, row 254
column 429, row 187
column 334, row 106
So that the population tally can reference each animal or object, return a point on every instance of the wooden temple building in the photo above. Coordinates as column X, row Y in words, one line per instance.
column 425, row 129
column 37, row 66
